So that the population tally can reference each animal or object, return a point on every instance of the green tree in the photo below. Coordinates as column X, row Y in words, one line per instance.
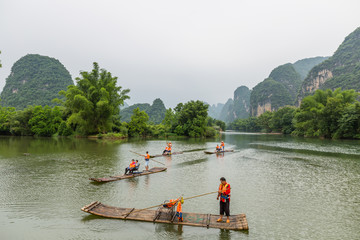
column 169, row 120
column 282, row 120
column 263, row 121
column 93, row 101
column 245, row 125
column 19, row 122
column 138, row 125
column 6, row 114
column 349, row 123
column 319, row 115
column 45, row 121
column 191, row 119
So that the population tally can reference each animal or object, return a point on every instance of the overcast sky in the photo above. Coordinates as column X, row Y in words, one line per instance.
column 175, row 50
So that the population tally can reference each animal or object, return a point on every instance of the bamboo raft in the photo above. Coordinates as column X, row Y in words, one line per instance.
column 166, row 154
column 213, row 152
column 135, row 174
column 237, row 222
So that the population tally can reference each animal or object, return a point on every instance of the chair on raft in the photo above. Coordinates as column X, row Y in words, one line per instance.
column 134, row 169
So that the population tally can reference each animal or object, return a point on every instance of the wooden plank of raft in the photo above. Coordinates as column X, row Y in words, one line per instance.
column 213, row 152
column 237, row 222
column 208, row 221
column 129, row 213
column 121, row 177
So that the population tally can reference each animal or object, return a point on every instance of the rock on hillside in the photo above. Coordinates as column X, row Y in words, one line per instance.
column 281, row 87
column 342, row 70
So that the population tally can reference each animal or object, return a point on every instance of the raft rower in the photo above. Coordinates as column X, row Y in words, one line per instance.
column 179, row 203
column 224, row 195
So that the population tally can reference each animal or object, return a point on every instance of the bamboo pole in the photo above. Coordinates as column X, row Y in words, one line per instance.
column 200, row 195
column 149, row 159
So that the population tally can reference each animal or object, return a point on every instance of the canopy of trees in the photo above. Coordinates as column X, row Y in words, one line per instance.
column 327, row 114
column 93, row 103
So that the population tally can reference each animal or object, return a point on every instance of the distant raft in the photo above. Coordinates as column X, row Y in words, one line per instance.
column 213, row 152
column 165, row 154
column 237, row 222
column 135, row 174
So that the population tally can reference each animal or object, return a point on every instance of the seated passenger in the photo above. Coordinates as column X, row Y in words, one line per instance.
column 137, row 165
column 131, row 166
column 218, row 148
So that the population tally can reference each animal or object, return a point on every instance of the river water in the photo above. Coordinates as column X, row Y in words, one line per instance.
column 289, row 188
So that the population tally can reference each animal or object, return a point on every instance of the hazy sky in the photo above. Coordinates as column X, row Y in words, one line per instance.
column 175, row 50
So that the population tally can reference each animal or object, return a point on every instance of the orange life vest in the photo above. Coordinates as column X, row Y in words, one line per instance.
column 172, row 202
column 217, row 147
column 132, row 165
column 147, row 157
column 223, row 189
column 223, row 144
column 179, row 207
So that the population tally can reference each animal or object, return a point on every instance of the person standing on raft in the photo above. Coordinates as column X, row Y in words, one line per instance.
column 222, row 145
column 224, row 195
column 147, row 159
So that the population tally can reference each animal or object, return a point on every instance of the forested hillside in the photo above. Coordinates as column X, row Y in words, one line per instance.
column 281, row 87
column 303, row 66
column 340, row 70
column 156, row 111
column 35, row 80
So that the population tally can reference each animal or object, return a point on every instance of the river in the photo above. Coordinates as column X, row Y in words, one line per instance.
column 289, row 188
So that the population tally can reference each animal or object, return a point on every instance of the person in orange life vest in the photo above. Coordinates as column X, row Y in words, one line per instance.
column 223, row 145
column 147, row 159
column 179, row 203
column 137, row 165
column 166, row 151
column 224, row 195
column 131, row 166
column 218, row 148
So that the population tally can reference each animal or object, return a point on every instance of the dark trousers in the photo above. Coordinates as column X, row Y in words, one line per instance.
column 225, row 208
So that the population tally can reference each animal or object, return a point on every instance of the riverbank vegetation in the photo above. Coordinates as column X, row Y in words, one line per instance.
column 92, row 107
column 326, row 114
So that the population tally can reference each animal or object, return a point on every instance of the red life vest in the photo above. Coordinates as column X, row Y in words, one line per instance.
column 224, row 189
